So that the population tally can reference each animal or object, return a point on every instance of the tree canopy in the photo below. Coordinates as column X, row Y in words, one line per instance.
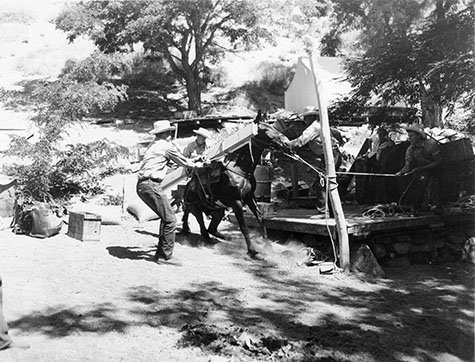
column 187, row 33
column 415, row 51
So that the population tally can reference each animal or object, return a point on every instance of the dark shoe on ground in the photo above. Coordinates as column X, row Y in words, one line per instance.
column 170, row 261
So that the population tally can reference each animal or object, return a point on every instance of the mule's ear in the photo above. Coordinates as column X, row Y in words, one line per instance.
column 258, row 117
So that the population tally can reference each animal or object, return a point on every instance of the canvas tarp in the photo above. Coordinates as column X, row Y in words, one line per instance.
column 301, row 92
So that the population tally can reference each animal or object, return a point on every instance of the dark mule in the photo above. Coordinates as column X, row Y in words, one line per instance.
column 231, row 183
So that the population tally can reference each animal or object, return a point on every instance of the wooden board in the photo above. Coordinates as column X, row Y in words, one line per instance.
column 230, row 144
column 174, row 178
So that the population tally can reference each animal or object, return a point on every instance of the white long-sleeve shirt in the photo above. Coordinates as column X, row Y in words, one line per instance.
column 312, row 136
column 158, row 158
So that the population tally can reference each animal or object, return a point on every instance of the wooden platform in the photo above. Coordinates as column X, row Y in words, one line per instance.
column 309, row 222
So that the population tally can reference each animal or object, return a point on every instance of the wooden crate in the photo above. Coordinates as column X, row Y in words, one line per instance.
column 84, row 226
column 458, row 150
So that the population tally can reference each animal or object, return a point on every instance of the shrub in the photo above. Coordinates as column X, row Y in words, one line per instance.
column 55, row 174
column 81, row 167
column 46, row 171
column 98, row 67
column 15, row 16
column 275, row 77
column 145, row 72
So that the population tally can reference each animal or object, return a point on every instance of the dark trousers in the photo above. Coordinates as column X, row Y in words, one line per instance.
column 5, row 339
column 422, row 191
column 152, row 194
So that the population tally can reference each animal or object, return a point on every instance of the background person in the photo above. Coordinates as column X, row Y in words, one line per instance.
column 155, row 165
column 193, row 150
column 374, row 189
column 312, row 136
column 199, row 145
column 421, row 162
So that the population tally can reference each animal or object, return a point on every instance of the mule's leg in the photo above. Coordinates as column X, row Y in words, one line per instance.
column 216, row 218
column 254, row 207
column 185, row 229
column 251, row 250
column 198, row 214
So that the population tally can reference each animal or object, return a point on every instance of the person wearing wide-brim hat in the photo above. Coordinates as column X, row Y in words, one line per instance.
column 154, row 167
column 194, row 150
column 311, row 136
column 421, row 161
column 199, row 144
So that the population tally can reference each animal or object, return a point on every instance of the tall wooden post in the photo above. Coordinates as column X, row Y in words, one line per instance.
column 330, row 172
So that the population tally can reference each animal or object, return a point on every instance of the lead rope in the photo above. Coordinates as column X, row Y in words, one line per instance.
column 250, row 151
column 201, row 184
column 404, row 194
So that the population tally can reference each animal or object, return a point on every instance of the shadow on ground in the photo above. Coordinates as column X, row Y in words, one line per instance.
column 190, row 239
column 421, row 313
column 422, row 316
column 131, row 252
column 61, row 322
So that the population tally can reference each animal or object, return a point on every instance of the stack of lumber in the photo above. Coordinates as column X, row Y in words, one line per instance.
column 230, row 144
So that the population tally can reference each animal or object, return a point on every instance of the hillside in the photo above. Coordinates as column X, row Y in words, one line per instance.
column 244, row 81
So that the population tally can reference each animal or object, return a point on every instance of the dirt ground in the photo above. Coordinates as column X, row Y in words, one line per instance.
column 108, row 301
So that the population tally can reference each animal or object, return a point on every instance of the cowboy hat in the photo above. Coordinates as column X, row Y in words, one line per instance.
column 309, row 111
column 417, row 129
column 203, row 132
column 161, row 126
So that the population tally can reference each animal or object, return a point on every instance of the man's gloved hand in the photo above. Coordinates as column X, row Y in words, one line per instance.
column 285, row 141
column 416, row 171
column 206, row 161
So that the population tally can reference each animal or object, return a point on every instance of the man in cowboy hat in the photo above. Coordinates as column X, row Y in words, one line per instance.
column 312, row 136
column 198, row 145
column 421, row 161
column 153, row 169
column 374, row 189
column 193, row 150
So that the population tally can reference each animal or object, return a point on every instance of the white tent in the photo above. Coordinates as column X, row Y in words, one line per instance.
column 301, row 92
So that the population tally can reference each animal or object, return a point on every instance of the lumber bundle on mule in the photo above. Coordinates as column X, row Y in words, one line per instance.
column 229, row 144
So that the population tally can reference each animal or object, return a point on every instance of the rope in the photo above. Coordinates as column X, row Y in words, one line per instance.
column 374, row 213
column 381, row 211
column 404, row 194
column 250, row 152
column 201, row 184
column 366, row 174
column 296, row 157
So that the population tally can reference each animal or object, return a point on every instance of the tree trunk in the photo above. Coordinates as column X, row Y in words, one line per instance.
column 194, row 92
column 431, row 112
column 430, row 101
